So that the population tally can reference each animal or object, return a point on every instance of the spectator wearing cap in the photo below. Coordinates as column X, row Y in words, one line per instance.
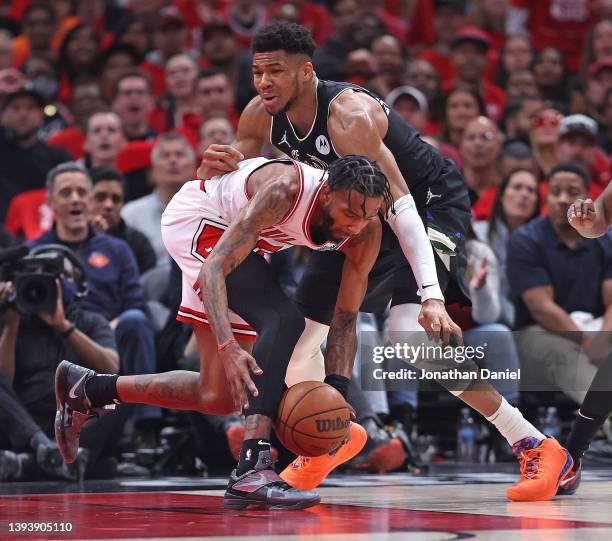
column 133, row 102
column 561, row 283
column 597, row 81
column 578, row 143
column 469, row 59
column 107, row 200
column 480, row 143
column 25, row 159
column 411, row 105
column 449, row 17
column 169, row 39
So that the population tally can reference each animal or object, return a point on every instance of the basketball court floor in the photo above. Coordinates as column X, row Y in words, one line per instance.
column 446, row 504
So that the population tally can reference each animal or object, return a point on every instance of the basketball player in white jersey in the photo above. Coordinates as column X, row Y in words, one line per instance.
column 217, row 231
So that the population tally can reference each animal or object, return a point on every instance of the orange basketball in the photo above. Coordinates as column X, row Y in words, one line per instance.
column 313, row 419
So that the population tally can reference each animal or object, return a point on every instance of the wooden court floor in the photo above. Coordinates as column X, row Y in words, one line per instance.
column 441, row 506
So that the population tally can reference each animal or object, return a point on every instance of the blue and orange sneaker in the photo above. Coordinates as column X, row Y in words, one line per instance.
column 570, row 484
column 544, row 465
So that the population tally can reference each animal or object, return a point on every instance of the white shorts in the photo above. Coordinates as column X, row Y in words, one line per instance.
column 190, row 231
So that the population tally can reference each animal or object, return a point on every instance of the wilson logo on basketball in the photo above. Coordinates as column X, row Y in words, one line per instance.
column 329, row 425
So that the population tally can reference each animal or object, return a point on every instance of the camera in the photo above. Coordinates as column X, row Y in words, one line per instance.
column 34, row 279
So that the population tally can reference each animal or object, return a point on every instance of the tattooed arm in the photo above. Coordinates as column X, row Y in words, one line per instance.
column 360, row 254
column 273, row 190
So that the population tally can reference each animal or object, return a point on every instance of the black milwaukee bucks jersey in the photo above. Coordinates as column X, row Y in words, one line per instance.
column 424, row 170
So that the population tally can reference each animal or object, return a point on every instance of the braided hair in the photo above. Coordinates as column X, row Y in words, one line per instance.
column 362, row 175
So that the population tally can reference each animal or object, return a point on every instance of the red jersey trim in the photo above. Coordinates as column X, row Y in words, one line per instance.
column 188, row 315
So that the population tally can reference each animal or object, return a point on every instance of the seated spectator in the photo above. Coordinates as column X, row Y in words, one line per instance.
column 515, row 55
column 480, row 144
column 213, row 94
column 110, row 267
column 469, row 58
column 104, row 139
column 515, row 155
column 391, row 63
column 178, row 103
column 554, row 273
column 112, row 63
column 411, row 105
column 551, row 76
column 461, row 106
column 521, row 83
column 216, row 129
column 421, row 75
column 578, row 143
column 105, row 214
column 38, row 24
column 516, row 203
column 31, row 347
column 544, row 139
column 133, row 102
column 173, row 164
column 518, row 117
column 25, row 159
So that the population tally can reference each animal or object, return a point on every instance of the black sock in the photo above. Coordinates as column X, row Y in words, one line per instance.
column 249, row 454
column 102, row 390
column 39, row 438
column 582, row 433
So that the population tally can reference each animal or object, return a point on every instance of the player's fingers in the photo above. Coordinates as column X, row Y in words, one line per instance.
column 255, row 367
column 246, row 379
column 457, row 333
column 445, row 333
column 435, row 328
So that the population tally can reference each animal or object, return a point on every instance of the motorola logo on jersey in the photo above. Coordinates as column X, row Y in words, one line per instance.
column 322, row 145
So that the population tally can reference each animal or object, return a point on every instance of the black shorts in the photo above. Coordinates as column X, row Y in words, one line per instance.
column 390, row 280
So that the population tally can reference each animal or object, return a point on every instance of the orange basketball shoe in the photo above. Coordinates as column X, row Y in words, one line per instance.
column 543, row 467
column 306, row 473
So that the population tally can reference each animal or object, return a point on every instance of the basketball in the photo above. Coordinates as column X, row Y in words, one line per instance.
column 313, row 419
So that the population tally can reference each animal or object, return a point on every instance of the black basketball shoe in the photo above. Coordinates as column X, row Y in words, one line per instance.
column 262, row 488
column 73, row 407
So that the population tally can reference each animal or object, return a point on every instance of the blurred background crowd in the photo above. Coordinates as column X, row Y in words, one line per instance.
column 130, row 92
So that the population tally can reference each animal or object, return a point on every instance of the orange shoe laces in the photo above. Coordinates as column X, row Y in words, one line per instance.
column 531, row 466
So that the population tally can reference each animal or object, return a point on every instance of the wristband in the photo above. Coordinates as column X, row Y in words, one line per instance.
column 338, row 382
column 64, row 335
column 227, row 343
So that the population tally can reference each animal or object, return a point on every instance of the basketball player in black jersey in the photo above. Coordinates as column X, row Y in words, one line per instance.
column 591, row 220
column 317, row 121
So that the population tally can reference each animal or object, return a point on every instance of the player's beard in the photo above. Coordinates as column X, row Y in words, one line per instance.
column 323, row 231
column 291, row 101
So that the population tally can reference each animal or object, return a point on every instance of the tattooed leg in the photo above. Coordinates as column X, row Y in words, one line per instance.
column 206, row 392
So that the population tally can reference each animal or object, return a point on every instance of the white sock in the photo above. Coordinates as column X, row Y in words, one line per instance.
column 512, row 425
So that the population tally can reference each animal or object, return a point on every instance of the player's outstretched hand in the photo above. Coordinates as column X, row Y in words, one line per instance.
column 218, row 160
column 581, row 214
column 238, row 367
column 438, row 324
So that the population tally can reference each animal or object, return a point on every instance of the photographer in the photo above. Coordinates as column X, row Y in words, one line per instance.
column 31, row 347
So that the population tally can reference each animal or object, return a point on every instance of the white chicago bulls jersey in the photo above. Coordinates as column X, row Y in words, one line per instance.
column 219, row 200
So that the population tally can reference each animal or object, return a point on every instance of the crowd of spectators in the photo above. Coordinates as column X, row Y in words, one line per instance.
column 107, row 106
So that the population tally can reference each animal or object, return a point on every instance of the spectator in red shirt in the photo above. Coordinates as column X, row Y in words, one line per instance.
column 578, row 143
column 133, row 102
column 480, row 145
column 469, row 58
column 490, row 15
